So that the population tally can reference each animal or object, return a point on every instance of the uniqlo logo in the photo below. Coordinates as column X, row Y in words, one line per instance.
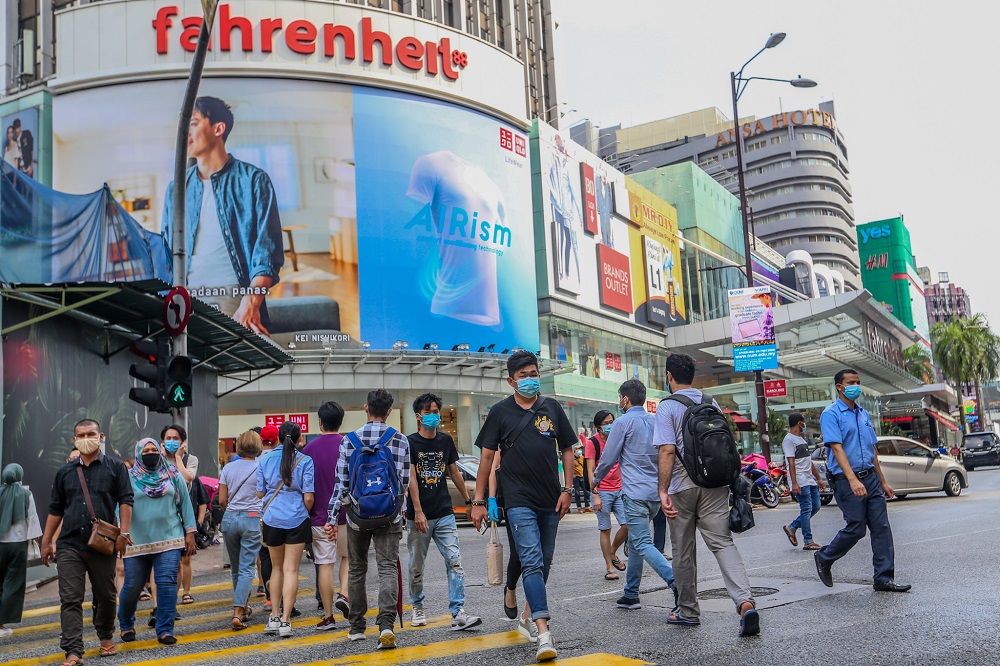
column 520, row 146
column 609, row 361
column 506, row 139
column 618, row 362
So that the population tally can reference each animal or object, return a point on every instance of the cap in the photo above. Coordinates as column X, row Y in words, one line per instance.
column 269, row 434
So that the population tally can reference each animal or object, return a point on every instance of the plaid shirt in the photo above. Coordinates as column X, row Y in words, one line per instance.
column 369, row 434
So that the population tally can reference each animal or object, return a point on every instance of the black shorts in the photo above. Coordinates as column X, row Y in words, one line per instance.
column 276, row 536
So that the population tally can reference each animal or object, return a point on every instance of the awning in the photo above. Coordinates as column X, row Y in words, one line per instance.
column 134, row 310
column 943, row 421
column 743, row 424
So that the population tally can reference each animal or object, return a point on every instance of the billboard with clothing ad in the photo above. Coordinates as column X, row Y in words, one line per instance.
column 283, row 178
column 656, row 253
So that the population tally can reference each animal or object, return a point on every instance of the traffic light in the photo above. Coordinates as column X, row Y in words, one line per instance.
column 155, row 352
column 180, row 376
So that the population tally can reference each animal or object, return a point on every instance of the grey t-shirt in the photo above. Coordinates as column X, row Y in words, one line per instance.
column 669, row 417
column 794, row 446
column 239, row 478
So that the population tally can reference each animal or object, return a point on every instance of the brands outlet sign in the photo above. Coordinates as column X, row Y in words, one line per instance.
column 102, row 43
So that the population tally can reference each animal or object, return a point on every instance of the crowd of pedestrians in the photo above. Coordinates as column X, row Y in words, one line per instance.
column 341, row 495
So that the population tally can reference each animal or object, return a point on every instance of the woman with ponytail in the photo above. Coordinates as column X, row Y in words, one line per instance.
column 285, row 484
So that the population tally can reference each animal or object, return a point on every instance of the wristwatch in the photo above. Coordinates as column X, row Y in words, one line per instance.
column 468, row 502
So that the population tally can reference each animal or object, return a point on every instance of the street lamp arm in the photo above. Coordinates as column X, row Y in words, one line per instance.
column 744, row 81
column 739, row 74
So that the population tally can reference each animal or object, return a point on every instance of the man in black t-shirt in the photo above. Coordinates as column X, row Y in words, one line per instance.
column 528, row 429
column 429, row 513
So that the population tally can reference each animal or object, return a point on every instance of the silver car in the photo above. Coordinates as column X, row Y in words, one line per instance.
column 912, row 467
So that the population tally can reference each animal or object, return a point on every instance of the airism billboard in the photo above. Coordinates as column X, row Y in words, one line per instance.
column 323, row 212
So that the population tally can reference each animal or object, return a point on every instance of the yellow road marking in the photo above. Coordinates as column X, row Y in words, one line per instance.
column 407, row 655
column 201, row 637
column 600, row 659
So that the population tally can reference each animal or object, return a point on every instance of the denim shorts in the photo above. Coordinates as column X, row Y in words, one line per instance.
column 612, row 503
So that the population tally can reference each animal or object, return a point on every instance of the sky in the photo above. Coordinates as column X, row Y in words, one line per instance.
column 913, row 85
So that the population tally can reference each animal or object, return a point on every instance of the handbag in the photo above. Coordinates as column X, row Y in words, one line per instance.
column 494, row 557
column 103, row 535
column 740, row 509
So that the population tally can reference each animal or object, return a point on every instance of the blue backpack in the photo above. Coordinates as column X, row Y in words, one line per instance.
column 376, row 496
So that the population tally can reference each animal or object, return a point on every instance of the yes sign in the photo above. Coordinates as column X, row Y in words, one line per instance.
column 875, row 232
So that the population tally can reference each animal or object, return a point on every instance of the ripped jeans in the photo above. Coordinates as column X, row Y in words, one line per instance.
column 444, row 532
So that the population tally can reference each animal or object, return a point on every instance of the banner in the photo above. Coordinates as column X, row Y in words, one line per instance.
column 656, row 254
column 751, row 319
column 323, row 214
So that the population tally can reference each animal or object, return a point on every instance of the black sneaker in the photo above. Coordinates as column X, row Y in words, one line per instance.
column 629, row 603
column 296, row 612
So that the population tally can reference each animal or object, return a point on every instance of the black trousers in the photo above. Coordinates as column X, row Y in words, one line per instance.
column 13, row 575
column 75, row 566
column 265, row 570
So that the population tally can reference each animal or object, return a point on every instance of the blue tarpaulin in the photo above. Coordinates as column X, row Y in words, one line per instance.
column 52, row 237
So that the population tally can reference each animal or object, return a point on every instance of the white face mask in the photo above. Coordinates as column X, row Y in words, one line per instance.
column 88, row 445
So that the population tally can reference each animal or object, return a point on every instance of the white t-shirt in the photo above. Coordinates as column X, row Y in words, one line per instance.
column 211, row 265
column 463, row 201
column 795, row 447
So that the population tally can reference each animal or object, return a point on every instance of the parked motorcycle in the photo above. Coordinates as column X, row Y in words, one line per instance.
column 779, row 479
column 761, row 489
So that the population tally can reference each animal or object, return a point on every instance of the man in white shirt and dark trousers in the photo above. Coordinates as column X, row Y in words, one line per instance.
column 805, row 479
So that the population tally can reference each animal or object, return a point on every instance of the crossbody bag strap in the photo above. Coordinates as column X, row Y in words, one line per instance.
column 513, row 435
column 86, row 494
column 253, row 472
column 280, row 486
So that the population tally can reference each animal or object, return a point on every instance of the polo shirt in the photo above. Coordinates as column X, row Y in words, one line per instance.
column 853, row 430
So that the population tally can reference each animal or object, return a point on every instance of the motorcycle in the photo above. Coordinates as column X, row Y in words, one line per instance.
column 779, row 479
column 761, row 489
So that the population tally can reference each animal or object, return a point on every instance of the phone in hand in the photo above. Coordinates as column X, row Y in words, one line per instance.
column 483, row 526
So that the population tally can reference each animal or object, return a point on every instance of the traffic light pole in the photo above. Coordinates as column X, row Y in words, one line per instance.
column 179, row 240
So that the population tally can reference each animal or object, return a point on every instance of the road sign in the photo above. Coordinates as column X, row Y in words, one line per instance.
column 176, row 311
column 775, row 389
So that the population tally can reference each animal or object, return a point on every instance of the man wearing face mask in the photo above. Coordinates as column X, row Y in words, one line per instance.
column 806, row 482
column 174, row 449
column 858, row 484
column 107, row 481
column 429, row 514
column 526, row 429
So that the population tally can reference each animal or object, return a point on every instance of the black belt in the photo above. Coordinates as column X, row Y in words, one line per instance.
column 862, row 474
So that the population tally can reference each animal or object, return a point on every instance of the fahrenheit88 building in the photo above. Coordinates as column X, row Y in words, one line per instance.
column 359, row 182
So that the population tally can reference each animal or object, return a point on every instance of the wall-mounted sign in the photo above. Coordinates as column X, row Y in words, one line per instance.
column 274, row 420
column 876, row 261
column 777, row 121
column 883, row 345
column 775, row 389
column 301, row 420
column 751, row 319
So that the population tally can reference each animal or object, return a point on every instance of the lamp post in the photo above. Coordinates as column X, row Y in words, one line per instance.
column 738, row 84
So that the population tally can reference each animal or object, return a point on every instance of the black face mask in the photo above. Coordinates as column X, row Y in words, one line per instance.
column 150, row 460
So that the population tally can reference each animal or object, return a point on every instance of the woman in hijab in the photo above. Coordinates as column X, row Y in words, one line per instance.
column 162, row 528
column 18, row 524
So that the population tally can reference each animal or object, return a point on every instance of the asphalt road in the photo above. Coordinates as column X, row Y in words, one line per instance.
column 943, row 547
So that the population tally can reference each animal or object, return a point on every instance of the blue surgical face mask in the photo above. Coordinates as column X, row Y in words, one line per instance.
column 431, row 421
column 852, row 392
column 529, row 387
column 606, row 429
column 172, row 445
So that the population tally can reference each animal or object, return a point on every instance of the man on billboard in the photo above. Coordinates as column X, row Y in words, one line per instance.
column 233, row 229
column 564, row 207
column 26, row 145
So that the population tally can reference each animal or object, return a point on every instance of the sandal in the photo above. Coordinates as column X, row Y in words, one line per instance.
column 72, row 660
column 812, row 545
column 791, row 535
column 677, row 618
column 749, row 623
column 107, row 651
column 617, row 564
column 240, row 623
column 187, row 599
column 611, row 575
column 144, row 596
column 128, row 636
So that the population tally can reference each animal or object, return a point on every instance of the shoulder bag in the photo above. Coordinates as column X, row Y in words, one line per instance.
column 103, row 535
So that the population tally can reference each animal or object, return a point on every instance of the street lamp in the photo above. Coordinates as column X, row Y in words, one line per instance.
column 739, row 84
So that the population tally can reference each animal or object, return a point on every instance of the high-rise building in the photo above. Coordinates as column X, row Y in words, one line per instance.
column 523, row 28
column 946, row 301
column 796, row 168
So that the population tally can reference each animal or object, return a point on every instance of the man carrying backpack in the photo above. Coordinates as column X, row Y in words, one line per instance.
column 690, row 432
column 373, row 472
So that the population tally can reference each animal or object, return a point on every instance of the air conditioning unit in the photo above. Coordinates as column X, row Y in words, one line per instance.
column 24, row 57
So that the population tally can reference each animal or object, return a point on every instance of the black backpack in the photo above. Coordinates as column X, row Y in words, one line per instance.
column 710, row 455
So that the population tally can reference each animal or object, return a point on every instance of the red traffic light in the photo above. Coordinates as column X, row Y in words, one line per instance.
column 147, row 349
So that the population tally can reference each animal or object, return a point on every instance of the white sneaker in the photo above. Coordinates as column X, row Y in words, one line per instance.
column 5, row 632
column 527, row 628
column 285, row 630
column 463, row 620
column 355, row 635
column 386, row 640
column 273, row 625
column 546, row 650
column 418, row 618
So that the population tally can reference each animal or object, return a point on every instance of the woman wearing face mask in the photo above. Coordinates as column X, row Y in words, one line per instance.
column 174, row 438
column 18, row 524
column 607, row 496
column 162, row 529
column 241, row 522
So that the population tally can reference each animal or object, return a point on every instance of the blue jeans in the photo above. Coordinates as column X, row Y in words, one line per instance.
column 242, row 537
column 640, row 543
column 164, row 566
column 534, row 535
column 809, row 506
column 444, row 532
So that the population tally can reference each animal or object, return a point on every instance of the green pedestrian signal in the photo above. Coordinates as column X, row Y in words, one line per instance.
column 179, row 395
column 180, row 376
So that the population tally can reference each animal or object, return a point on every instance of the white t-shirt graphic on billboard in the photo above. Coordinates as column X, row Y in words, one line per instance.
column 469, row 218
column 211, row 265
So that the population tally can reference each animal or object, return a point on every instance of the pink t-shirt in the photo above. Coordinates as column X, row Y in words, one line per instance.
column 613, row 480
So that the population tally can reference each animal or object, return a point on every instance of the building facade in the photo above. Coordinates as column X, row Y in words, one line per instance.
column 947, row 301
column 796, row 167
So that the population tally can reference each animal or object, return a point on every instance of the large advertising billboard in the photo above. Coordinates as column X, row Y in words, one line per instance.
column 611, row 245
column 322, row 213
column 751, row 319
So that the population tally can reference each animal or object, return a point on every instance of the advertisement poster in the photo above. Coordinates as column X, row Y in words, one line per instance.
column 20, row 140
column 300, row 199
column 655, row 245
column 751, row 317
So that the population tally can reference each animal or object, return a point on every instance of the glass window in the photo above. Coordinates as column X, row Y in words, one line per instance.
column 886, row 447
column 912, row 449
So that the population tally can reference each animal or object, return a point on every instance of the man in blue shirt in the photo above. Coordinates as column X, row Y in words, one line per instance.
column 858, row 484
column 630, row 444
